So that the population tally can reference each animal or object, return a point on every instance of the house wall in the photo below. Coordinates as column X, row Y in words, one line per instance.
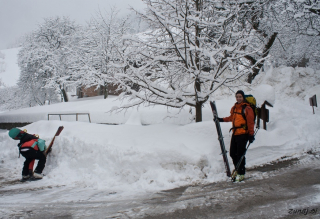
column 93, row 91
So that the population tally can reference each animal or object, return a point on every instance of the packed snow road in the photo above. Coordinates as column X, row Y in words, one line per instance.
column 289, row 188
column 286, row 189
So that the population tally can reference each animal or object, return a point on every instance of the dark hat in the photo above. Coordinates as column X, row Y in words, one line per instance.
column 240, row 92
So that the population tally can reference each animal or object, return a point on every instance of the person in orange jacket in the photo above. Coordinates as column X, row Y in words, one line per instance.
column 242, row 118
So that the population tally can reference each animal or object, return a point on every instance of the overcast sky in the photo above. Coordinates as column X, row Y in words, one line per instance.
column 18, row 17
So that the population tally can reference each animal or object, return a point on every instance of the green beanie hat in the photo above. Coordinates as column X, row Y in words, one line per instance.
column 13, row 133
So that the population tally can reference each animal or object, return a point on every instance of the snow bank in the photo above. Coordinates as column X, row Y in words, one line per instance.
column 125, row 157
column 130, row 159
column 264, row 92
column 290, row 82
column 134, row 157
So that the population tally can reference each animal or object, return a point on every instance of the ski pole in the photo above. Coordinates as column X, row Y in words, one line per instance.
column 235, row 172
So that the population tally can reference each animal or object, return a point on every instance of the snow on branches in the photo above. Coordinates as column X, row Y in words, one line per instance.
column 100, row 53
column 45, row 58
column 194, row 48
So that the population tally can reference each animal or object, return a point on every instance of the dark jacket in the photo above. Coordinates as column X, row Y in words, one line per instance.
column 25, row 138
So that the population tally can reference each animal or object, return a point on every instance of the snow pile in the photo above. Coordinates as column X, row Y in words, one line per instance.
column 125, row 157
column 133, row 158
column 264, row 92
column 130, row 159
column 291, row 82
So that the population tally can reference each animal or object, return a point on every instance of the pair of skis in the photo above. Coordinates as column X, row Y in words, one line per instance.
column 222, row 145
column 220, row 138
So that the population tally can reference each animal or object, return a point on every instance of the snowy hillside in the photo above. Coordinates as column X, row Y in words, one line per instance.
column 9, row 69
column 169, row 151
column 281, row 86
column 99, row 112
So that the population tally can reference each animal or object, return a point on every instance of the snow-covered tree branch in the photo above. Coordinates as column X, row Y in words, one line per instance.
column 45, row 57
column 194, row 48
column 100, row 53
column 298, row 26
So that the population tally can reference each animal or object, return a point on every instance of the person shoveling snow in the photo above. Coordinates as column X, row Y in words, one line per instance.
column 31, row 147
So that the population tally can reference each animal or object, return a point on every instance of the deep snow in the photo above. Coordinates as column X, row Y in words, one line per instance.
column 132, row 158
column 154, row 149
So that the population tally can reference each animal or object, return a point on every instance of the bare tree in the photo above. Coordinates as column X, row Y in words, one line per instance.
column 100, row 53
column 298, row 27
column 46, row 53
column 34, row 74
column 194, row 48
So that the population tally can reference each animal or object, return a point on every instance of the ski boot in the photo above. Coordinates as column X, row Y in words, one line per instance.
column 25, row 178
column 37, row 176
column 239, row 178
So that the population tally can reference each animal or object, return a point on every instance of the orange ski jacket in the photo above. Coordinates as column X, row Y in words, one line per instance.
column 240, row 125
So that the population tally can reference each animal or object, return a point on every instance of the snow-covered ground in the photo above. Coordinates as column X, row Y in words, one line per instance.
column 156, row 148
column 131, row 158
column 99, row 110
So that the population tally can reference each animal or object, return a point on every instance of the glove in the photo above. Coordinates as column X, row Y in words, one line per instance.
column 217, row 118
column 251, row 138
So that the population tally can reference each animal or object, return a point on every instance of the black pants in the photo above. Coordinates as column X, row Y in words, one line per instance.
column 30, row 155
column 237, row 149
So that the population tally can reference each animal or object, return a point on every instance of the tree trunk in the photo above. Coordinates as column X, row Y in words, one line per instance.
column 198, row 112
column 197, row 63
column 198, row 104
column 105, row 90
column 253, row 61
column 65, row 96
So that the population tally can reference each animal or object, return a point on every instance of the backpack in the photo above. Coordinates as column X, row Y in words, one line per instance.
column 41, row 144
column 253, row 104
